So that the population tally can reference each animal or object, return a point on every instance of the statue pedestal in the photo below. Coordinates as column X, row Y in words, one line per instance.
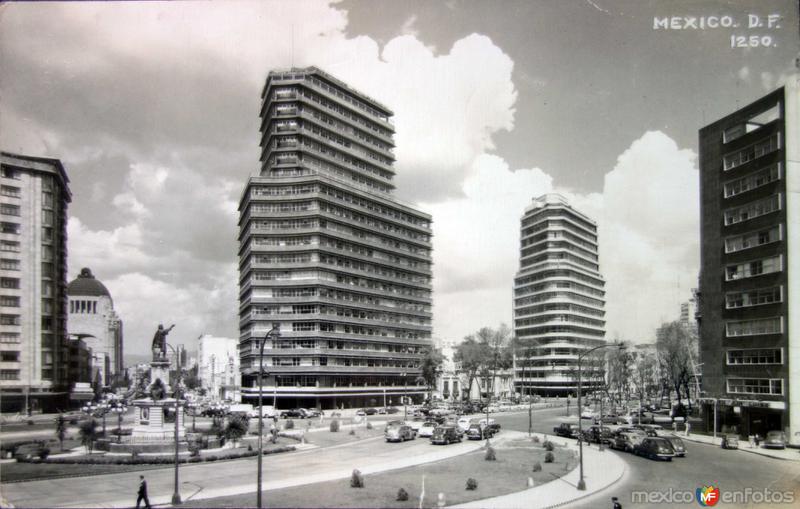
column 150, row 421
column 159, row 370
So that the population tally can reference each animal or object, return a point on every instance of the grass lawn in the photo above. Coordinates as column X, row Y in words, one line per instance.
column 326, row 438
column 508, row 474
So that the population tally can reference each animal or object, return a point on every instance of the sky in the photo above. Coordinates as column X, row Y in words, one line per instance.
column 153, row 109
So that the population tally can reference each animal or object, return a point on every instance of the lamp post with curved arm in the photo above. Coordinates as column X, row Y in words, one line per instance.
column 274, row 332
column 581, row 482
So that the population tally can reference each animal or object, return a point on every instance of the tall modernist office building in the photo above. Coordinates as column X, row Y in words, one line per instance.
column 559, row 299
column 33, row 315
column 328, row 253
column 750, row 266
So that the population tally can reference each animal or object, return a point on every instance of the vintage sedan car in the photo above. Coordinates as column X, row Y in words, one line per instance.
column 655, row 448
column 677, row 444
column 775, row 440
column 293, row 413
column 627, row 441
column 399, row 433
column 566, row 429
column 478, row 432
column 598, row 434
column 463, row 423
column 445, row 435
column 426, row 430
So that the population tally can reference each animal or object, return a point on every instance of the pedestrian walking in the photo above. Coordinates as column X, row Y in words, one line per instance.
column 142, row 493
column 688, row 428
column 615, row 503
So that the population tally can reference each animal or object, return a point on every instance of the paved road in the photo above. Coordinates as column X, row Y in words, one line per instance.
column 703, row 465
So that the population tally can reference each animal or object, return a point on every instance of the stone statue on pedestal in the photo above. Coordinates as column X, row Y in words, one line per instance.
column 159, row 346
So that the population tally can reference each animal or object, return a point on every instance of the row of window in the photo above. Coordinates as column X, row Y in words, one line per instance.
column 754, row 268
column 570, row 319
column 562, row 273
column 83, row 307
column 754, row 239
column 753, row 356
column 562, row 306
column 560, row 234
column 769, row 386
column 315, row 166
column 300, row 275
column 9, row 374
column 558, row 257
column 755, row 297
column 561, row 215
column 306, row 309
column 9, row 301
column 565, row 245
column 355, row 329
column 9, row 337
column 348, row 129
column 752, row 152
column 9, row 264
column 772, row 325
column 752, row 124
column 753, row 181
column 10, row 191
column 338, row 295
column 752, row 210
column 551, row 295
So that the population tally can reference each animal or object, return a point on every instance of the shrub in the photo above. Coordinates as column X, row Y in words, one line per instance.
column 356, row 480
column 289, row 424
column 537, row 467
column 472, row 484
column 490, row 455
column 334, row 425
column 548, row 458
column 249, row 447
column 402, row 495
column 535, row 439
column 548, row 445
column 30, row 422
column 352, row 432
column 44, row 452
column 369, row 426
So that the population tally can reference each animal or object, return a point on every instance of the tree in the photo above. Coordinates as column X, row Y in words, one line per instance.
column 471, row 355
column 191, row 378
column 97, row 386
column 431, row 369
column 484, row 353
column 619, row 372
column 88, row 433
column 61, row 430
column 237, row 428
column 676, row 349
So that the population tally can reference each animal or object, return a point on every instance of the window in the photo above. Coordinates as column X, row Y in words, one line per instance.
column 751, row 152
column 9, row 282
column 11, row 191
column 9, row 264
column 9, row 337
column 9, row 246
column 753, row 210
column 9, row 356
column 12, row 228
column 9, row 320
column 753, row 268
column 9, row 301
column 303, row 326
column 9, row 374
column 47, row 233
column 47, row 217
column 10, row 173
column 773, row 386
column 7, row 209
column 755, row 356
column 754, row 327
column 753, row 239
column 753, row 181
column 753, row 297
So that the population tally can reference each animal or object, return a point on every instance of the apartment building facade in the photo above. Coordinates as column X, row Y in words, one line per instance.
column 34, row 365
column 559, row 300
column 328, row 254
column 750, row 267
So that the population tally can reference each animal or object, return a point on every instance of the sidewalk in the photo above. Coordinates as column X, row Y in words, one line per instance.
column 781, row 454
column 601, row 470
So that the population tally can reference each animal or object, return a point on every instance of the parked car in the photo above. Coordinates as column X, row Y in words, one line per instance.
column 463, row 423
column 267, row 412
column 445, row 435
column 627, row 441
column 651, row 430
column 677, row 445
column 478, row 432
column 382, row 410
column 293, row 413
column 416, row 423
column 730, row 442
column 566, row 429
column 655, row 448
column 360, row 412
column 588, row 414
column 394, row 423
column 309, row 413
column 392, row 410
column 775, row 440
column 598, row 434
column 426, row 430
column 399, row 433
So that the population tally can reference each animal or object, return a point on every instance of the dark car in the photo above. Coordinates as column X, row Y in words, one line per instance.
column 598, row 434
column 478, row 432
column 677, row 445
column 655, row 448
column 399, row 433
column 566, row 429
column 730, row 442
column 370, row 411
column 445, row 435
column 775, row 440
column 392, row 410
column 650, row 429
column 627, row 441
column 294, row 412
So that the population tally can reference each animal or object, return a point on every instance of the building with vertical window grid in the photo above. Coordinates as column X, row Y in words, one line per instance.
column 559, row 300
column 33, row 348
column 750, row 267
column 329, row 254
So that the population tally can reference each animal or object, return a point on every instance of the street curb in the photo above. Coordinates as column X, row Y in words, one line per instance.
column 586, row 495
column 743, row 449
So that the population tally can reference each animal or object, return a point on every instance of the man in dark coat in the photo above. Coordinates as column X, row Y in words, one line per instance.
column 142, row 493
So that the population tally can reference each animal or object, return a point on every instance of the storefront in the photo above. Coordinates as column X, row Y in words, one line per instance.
column 744, row 417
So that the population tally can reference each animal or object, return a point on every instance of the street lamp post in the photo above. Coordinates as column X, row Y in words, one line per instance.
column 405, row 395
column 176, row 494
column 275, row 332
column 581, row 482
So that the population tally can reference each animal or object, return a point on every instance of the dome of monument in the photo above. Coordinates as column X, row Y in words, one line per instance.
column 86, row 285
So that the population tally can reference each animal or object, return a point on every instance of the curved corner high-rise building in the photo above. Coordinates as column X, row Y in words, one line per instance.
column 559, row 299
column 329, row 254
